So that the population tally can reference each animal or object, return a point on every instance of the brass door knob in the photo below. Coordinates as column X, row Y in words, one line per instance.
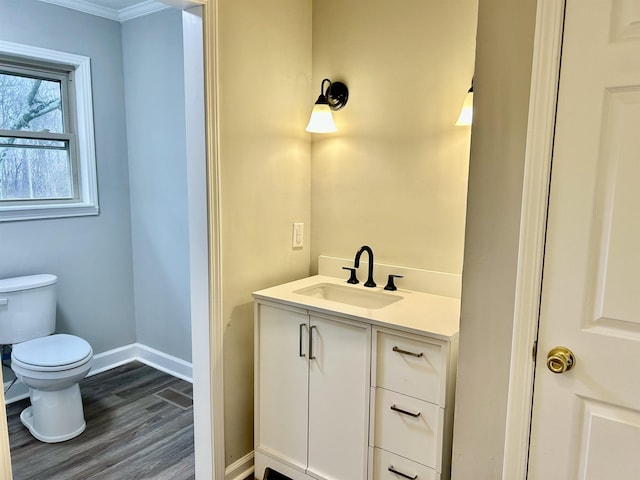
column 560, row 359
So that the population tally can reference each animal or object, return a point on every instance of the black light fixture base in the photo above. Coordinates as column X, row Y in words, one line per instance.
column 337, row 95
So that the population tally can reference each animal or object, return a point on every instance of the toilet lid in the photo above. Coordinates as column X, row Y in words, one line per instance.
column 17, row 284
column 59, row 350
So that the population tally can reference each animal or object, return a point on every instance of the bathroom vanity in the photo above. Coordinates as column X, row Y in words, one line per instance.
column 354, row 383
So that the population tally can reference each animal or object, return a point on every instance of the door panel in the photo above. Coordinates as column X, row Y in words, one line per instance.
column 599, row 456
column 282, row 387
column 617, row 303
column 338, row 399
column 586, row 421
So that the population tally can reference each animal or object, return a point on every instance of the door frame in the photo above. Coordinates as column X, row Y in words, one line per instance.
column 207, row 326
column 208, row 345
column 545, row 77
column 5, row 454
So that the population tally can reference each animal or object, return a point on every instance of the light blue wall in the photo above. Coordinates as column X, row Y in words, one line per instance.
column 90, row 255
column 155, row 110
column 124, row 274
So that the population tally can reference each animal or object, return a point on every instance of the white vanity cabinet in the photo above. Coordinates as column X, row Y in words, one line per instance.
column 351, row 392
column 312, row 393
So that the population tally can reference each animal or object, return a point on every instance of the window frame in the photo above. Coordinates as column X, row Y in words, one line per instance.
column 79, row 132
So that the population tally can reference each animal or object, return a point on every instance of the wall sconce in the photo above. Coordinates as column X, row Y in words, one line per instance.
column 466, row 114
column 333, row 98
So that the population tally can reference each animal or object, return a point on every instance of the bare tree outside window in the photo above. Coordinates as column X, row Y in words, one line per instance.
column 34, row 158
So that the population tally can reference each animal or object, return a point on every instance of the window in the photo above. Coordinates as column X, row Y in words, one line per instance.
column 47, row 154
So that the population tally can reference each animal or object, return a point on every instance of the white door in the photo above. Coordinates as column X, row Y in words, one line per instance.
column 338, row 398
column 586, row 421
column 281, row 383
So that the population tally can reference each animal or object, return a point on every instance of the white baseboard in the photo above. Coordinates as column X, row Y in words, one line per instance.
column 165, row 363
column 241, row 468
column 113, row 358
column 119, row 356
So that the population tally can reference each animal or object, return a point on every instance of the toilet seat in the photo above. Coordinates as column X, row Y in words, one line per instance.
column 54, row 353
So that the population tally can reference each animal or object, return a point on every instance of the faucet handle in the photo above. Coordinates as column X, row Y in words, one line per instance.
column 352, row 277
column 390, row 285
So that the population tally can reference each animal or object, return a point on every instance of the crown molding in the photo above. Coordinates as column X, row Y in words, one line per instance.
column 140, row 9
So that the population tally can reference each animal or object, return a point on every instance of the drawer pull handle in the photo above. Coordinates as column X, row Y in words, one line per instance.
column 397, row 472
column 405, row 352
column 400, row 410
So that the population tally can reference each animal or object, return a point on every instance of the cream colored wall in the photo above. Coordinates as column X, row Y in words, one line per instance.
column 395, row 174
column 502, row 83
column 265, row 72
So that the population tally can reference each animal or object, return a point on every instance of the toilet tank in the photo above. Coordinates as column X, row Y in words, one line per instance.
column 27, row 308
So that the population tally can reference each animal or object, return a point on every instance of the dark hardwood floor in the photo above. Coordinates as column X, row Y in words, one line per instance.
column 132, row 433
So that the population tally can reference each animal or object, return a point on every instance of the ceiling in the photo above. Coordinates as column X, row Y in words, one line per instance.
column 118, row 10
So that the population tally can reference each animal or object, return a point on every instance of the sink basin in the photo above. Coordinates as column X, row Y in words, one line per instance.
column 349, row 295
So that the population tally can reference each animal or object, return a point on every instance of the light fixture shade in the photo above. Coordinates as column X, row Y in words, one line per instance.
column 466, row 114
column 321, row 120
column 334, row 97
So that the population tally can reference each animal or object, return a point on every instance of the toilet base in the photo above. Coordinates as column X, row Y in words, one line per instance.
column 54, row 416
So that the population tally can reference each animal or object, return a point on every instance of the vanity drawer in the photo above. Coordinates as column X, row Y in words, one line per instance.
column 411, row 366
column 388, row 466
column 409, row 427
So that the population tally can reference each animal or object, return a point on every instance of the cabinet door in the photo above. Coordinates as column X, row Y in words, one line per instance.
column 282, row 383
column 338, row 398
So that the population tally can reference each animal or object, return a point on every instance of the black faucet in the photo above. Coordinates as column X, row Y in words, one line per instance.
column 356, row 263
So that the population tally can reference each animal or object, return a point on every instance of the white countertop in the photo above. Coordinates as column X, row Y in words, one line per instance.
column 416, row 312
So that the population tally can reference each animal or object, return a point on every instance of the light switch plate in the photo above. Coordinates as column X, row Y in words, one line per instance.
column 297, row 240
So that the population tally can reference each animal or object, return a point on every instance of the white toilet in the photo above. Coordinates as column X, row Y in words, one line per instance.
column 50, row 365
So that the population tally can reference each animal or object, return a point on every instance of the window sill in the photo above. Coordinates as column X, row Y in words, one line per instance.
column 37, row 212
